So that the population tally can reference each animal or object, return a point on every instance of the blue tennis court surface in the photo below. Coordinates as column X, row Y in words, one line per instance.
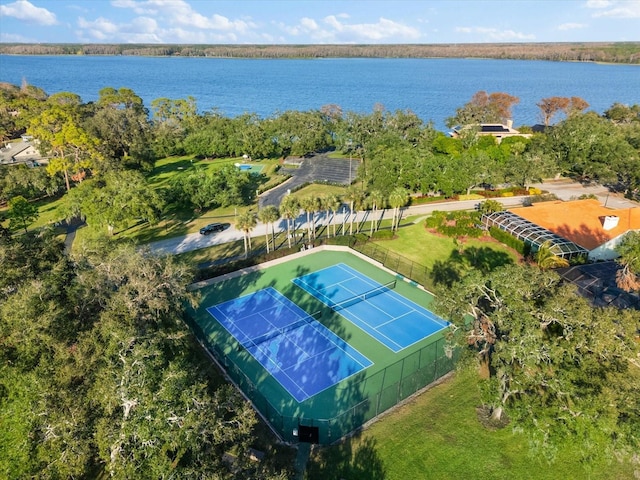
column 392, row 319
column 301, row 353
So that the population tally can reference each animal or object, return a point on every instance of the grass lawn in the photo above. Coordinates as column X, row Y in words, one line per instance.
column 319, row 190
column 416, row 243
column 438, row 436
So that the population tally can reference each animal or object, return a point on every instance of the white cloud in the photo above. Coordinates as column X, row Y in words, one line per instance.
column 571, row 26
column 334, row 28
column 179, row 12
column 309, row 23
column 26, row 11
column 140, row 30
column 598, row 3
column 99, row 29
column 15, row 38
column 140, row 8
column 493, row 34
column 615, row 9
column 383, row 29
column 169, row 21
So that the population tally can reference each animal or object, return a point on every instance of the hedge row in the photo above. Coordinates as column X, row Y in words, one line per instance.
column 518, row 245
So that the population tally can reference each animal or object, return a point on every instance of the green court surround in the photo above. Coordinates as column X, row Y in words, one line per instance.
column 349, row 404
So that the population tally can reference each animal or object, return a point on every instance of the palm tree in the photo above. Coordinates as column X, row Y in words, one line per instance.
column 324, row 207
column 546, row 259
column 376, row 200
column 246, row 222
column 355, row 196
column 289, row 208
column 359, row 204
column 332, row 202
column 269, row 215
column 397, row 199
column 310, row 205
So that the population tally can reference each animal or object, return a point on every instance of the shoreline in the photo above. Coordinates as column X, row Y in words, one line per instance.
column 610, row 53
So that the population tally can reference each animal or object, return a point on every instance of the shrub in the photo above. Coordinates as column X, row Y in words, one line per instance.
column 382, row 235
column 509, row 240
column 455, row 224
column 543, row 197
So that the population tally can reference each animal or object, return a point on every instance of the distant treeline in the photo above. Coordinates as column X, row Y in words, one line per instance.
column 612, row 52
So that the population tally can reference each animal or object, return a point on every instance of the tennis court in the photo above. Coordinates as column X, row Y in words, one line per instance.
column 311, row 372
column 301, row 353
column 376, row 308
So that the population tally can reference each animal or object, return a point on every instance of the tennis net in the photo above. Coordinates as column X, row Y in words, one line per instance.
column 363, row 296
column 265, row 337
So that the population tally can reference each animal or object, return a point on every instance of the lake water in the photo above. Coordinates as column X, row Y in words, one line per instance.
column 432, row 88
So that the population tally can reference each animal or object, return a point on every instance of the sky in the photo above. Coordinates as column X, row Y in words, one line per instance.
column 318, row 22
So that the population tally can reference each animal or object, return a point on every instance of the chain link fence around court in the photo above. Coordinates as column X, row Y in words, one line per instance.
column 394, row 261
column 359, row 400
column 414, row 271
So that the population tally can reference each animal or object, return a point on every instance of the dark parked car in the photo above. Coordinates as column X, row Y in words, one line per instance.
column 212, row 227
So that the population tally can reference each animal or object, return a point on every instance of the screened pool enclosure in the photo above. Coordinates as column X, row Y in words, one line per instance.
column 533, row 234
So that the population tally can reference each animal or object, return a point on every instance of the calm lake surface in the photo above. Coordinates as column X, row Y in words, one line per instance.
column 432, row 88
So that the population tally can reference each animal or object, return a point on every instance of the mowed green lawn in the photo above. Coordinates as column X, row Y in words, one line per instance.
column 420, row 245
column 437, row 436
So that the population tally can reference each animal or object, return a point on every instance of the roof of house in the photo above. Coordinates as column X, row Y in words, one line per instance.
column 497, row 130
column 582, row 221
column 19, row 152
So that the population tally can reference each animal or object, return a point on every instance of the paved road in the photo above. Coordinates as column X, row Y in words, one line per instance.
column 564, row 190
column 568, row 190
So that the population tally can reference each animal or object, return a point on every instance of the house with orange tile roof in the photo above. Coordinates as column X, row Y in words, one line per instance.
column 586, row 223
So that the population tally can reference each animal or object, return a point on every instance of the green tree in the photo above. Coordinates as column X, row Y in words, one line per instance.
column 397, row 199
column 121, row 122
column 99, row 375
column 623, row 114
column 546, row 258
column 171, row 119
column 356, row 197
column 300, row 133
column 269, row 215
column 290, row 208
column 592, row 149
column 376, row 200
column 628, row 278
column 333, row 203
column 61, row 135
column 558, row 369
column 490, row 206
column 310, row 205
column 21, row 212
column 246, row 222
column 115, row 201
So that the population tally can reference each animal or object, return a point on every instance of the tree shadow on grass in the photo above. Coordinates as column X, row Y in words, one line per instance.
column 355, row 458
column 485, row 259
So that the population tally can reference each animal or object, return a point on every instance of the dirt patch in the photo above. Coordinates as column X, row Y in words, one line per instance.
column 484, row 417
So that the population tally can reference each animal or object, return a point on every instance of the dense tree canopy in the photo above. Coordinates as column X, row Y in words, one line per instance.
column 98, row 372
column 629, row 250
column 116, row 133
column 555, row 367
